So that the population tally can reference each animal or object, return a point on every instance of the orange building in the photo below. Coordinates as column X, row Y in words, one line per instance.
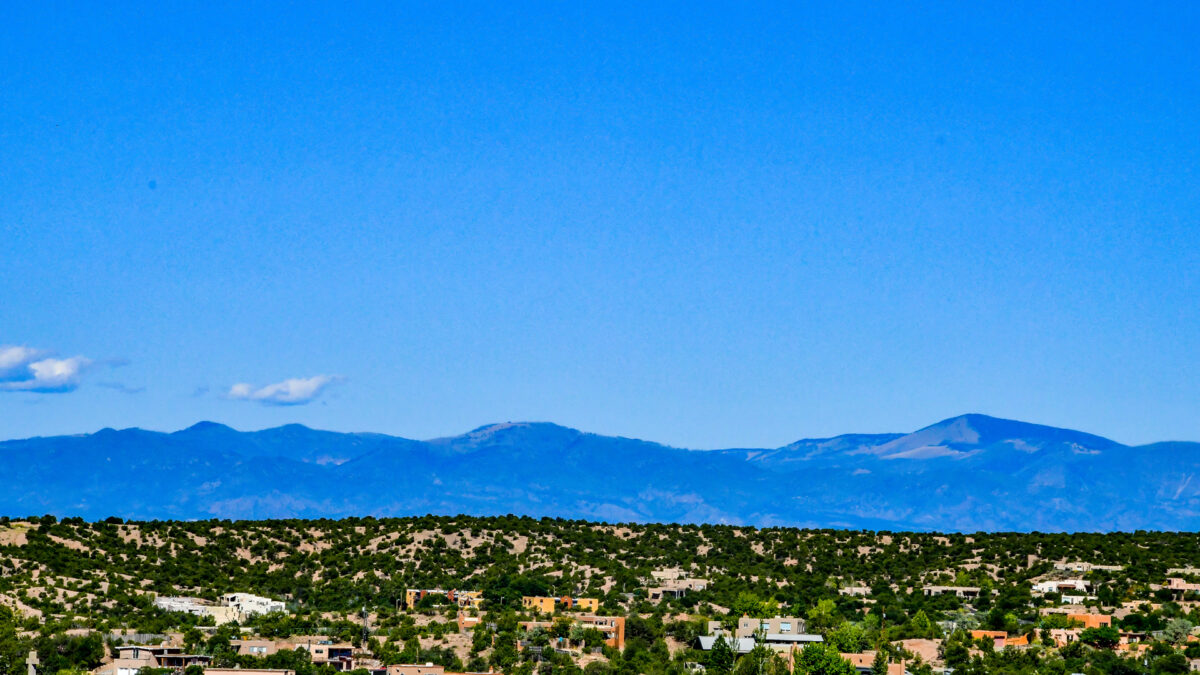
column 997, row 637
column 1135, row 647
column 467, row 622
column 1091, row 620
column 865, row 660
column 613, row 628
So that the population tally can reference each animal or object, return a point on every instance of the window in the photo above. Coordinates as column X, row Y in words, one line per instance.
column 785, row 626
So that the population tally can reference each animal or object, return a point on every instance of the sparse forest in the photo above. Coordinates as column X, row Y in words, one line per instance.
column 71, row 589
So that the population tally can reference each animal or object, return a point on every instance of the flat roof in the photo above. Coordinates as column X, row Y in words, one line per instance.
column 739, row 645
column 797, row 637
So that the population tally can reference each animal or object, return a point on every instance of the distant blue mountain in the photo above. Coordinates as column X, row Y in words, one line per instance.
column 965, row 473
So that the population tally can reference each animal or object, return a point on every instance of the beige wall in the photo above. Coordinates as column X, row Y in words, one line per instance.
column 786, row 625
column 247, row 671
column 254, row 647
column 223, row 615
column 413, row 669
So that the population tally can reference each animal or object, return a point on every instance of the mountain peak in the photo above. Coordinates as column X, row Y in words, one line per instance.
column 293, row 428
column 973, row 433
column 501, row 426
column 983, row 422
column 207, row 427
column 508, row 434
column 973, row 418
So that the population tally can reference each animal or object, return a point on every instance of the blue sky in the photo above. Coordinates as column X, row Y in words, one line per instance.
column 702, row 224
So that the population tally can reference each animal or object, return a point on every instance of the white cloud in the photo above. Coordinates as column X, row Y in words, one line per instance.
column 294, row 391
column 15, row 359
column 26, row 369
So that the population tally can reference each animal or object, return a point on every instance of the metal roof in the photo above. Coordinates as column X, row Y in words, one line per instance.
column 739, row 645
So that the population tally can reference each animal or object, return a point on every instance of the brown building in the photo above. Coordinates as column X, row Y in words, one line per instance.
column 464, row 599
column 416, row 669
column 676, row 588
column 248, row 671
column 253, row 647
column 612, row 627
column 421, row 669
column 778, row 625
column 339, row 655
column 959, row 591
column 132, row 658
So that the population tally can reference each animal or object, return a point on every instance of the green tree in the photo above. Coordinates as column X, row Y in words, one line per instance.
column 1171, row 664
column 921, row 626
column 12, row 652
column 848, row 638
column 880, row 665
column 1104, row 637
column 1177, row 630
column 821, row 616
column 956, row 654
column 822, row 659
column 720, row 659
column 754, row 662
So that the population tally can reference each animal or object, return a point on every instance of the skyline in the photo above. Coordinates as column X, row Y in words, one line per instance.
column 699, row 227
column 967, row 473
column 206, row 423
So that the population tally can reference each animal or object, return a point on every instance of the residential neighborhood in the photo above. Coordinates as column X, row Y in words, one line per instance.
column 543, row 597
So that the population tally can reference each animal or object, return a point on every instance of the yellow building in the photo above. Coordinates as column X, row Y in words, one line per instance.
column 587, row 604
column 538, row 604
column 468, row 598
column 547, row 605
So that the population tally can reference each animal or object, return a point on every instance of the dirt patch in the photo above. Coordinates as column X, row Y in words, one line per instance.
column 14, row 534
column 70, row 543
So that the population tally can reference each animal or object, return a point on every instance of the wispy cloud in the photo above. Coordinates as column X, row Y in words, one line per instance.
column 123, row 388
column 294, row 391
column 34, row 370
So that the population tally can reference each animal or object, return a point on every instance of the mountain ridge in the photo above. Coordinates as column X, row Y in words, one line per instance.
column 965, row 473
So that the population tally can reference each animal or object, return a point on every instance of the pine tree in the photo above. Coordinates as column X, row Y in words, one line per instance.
column 880, row 665
column 720, row 661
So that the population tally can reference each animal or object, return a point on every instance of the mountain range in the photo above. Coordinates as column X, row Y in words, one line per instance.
column 966, row 473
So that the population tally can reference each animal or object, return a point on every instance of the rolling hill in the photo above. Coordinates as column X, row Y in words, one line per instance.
column 965, row 473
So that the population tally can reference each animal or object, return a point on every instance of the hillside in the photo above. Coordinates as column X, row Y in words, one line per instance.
column 966, row 473
column 70, row 567
column 73, row 589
